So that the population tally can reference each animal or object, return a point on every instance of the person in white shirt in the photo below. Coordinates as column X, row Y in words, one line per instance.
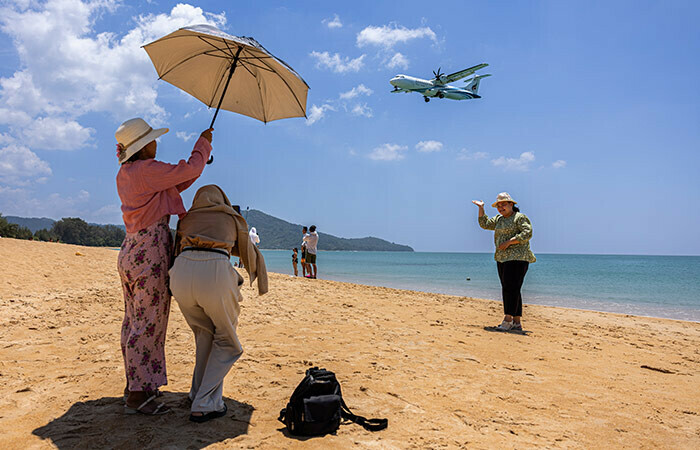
column 311, row 240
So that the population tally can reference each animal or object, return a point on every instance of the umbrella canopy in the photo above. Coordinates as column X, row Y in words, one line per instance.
column 229, row 72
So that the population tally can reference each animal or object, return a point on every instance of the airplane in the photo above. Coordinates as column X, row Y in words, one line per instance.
column 438, row 87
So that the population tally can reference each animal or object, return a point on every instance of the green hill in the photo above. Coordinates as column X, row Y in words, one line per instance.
column 278, row 234
column 274, row 234
column 33, row 223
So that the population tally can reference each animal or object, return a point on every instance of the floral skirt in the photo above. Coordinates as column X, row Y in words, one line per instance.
column 143, row 267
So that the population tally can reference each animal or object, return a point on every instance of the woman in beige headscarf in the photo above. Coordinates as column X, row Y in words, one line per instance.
column 207, row 289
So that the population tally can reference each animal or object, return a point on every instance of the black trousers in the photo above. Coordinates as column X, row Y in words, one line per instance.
column 512, row 275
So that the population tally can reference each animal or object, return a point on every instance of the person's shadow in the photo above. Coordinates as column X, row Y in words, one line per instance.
column 496, row 330
column 102, row 423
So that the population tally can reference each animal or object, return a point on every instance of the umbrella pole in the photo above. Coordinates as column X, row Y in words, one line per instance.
column 228, row 80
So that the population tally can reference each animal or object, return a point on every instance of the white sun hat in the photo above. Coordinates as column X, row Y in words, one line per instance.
column 133, row 135
column 503, row 197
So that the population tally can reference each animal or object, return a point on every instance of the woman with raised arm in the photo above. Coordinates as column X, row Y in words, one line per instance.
column 513, row 232
column 150, row 193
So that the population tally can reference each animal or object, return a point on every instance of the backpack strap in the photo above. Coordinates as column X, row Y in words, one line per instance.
column 367, row 424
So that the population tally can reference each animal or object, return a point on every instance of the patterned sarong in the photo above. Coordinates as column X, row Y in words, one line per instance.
column 143, row 267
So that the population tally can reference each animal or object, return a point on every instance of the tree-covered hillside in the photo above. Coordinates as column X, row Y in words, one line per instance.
column 274, row 233
column 33, row 223
column 69, row 230
column 278, row 234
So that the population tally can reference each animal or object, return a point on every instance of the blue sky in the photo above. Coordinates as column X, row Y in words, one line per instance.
column 591, row 119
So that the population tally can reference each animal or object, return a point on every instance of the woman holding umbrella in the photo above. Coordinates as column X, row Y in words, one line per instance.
column 513, row 232
column 150, row 192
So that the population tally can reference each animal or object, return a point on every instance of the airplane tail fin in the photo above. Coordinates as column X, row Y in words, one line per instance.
column 473, row 83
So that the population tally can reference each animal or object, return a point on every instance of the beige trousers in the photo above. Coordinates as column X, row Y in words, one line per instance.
column 206, row 287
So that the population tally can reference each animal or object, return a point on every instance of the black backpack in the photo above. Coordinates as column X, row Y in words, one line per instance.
column 317, row 407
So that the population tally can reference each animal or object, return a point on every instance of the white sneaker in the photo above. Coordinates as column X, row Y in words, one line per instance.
column 505, row 326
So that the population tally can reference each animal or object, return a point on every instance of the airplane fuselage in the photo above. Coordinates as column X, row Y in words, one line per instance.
column 430, row 88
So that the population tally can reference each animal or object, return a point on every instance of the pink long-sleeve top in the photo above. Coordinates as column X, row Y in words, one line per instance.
column 150, row 189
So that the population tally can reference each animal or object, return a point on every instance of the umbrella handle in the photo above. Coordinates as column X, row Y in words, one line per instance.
column 228, row 80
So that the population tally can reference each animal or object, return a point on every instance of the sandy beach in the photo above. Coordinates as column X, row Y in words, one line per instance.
column 578, row 379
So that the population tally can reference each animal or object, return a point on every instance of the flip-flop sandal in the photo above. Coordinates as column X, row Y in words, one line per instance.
column 208, row 416
column 160, row 408
column 126, row 394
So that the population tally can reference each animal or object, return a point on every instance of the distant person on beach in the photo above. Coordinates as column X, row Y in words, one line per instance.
column 295, row 261
column 304, row 267
column 150, row 192
column 513, row 232
column 207, row 289
column 311, row 240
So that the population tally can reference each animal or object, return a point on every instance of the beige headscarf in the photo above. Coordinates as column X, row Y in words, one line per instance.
column 212, row 222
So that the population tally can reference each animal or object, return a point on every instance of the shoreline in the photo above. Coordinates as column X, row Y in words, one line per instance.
column 491, row 253
column 499, row 301
column 574, row 299
column 552, row 298
column 427, row 362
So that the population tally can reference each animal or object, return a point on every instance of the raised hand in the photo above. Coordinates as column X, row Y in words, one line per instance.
column 206, row 134
column 478, row 203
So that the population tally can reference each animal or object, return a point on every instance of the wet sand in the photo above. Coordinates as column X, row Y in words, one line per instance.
column 577, row 379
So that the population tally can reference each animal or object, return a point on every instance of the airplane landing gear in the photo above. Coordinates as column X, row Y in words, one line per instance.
column 441, row 95
column 426, row 99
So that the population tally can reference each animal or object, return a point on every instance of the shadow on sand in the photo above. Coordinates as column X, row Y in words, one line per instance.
column 287, row 434
column 496, row 330
column 102, row 423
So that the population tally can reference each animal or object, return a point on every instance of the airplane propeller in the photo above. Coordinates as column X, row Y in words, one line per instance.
column 438, row 74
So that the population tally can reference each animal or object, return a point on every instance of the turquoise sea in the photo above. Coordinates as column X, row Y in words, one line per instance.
column 657, row 286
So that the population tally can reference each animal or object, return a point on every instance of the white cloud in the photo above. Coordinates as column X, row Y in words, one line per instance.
column 388, row 152
column 185, row 136
column 360, row 89
column 466, row 155
column 6, row 139
column 362, row 110
column 521, row 163
column 192, row 112
column 388, row 36
column 18, row 163
column 107, row 214
column 398, row 61
column 317, row 113
column 429, row 146
column 337, row 63
column 333, row 23
column 8, row 192
column 70, row 69
column 69, row 205
column 55, row 133
column 23, row 202
column 559, row 164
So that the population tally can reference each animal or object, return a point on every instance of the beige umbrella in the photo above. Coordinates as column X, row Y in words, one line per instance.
column 201, row 60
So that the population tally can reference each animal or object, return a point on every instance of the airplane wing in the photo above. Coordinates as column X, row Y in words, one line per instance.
column 397, row 90
column 462, row 73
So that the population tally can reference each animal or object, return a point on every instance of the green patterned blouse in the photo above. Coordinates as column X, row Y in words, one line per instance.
column 516, row 226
